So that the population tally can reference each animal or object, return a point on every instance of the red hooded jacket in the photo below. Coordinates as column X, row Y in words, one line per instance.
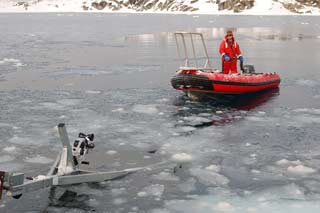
column 232, row 49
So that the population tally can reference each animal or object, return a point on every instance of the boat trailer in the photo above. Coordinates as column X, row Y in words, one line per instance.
column 65, row 170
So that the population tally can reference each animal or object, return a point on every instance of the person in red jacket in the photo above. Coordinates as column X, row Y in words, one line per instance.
column 230, row 52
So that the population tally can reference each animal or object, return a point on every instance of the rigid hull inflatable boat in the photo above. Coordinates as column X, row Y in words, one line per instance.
column 193, row 80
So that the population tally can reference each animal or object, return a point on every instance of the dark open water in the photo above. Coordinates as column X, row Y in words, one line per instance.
column 110, row 74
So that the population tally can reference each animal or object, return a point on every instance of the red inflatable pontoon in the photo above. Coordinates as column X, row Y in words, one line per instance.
column 216, row 82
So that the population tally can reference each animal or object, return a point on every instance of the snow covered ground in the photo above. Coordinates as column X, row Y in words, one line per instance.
column 261, row 7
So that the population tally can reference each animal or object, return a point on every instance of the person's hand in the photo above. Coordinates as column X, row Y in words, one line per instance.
column 226, row 57
column 241, row 59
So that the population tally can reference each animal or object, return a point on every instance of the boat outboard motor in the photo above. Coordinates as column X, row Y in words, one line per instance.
column 248, row 69
column 81, row 147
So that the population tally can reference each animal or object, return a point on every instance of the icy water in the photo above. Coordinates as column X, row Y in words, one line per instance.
column 109, row 74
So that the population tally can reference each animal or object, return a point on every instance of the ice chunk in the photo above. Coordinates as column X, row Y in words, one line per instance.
column 51, row 106
column 301, row 170
column 93, row 92
column 160, row 211
column 153, row 190
column 289, row 198
column 10, row 149
column 308, row 110
column 12, row 61
column 119, row 201
column 209, row 178
column 285, row 162
column 256, row 118
column 213, row 168
column 181, row 158
column 188, row 186
column 118, row 110
column 252, row 210
column 40, row 177
column 306, row 82
column 111, row 152
column 145, row 109
column 223, row 207
column 69, row 102
column 165, row 176
column 193, row 120
column 117, row 191
column 135, row 208
column 255, row 171
column 185, row 129
column 38, row 159
column 142, row 194
column 93, row 202
column 10, row 167
column 6, row 158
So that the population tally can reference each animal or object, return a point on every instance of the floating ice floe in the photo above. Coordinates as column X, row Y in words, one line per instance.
column 50, row 105
column 301, row 170
column 256, row 118
column 185, row 129
column 195, row 120
column 111, row 152
column 118, row 110
column 14, row 62
column 307, row 82
column 119, row 201
column 117, row 191
column 10, row 149
column 188, row 186
column 285, row 162
column 38, row 159
column 69, row 102
column 154, row 190
column 167, row 176
column 93, row 92
column 142, row 194
column 10, row 167
column 145, row 109
column 6, row 158
column 4, row 125
column 213, row 168
column 160, row 211
column 181, row 158
column 223, row 207
column 308, row 110
column 209, row 178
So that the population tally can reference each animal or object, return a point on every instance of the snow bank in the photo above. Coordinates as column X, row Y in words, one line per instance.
column 260, row 7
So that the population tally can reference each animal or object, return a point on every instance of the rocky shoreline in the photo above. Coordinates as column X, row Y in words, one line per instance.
column 236, row 6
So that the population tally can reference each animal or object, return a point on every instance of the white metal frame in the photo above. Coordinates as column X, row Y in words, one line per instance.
column 63, row 172
column 186, row 58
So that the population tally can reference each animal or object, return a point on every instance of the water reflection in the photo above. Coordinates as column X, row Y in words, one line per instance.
column 256, row 33
column 219, row 110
